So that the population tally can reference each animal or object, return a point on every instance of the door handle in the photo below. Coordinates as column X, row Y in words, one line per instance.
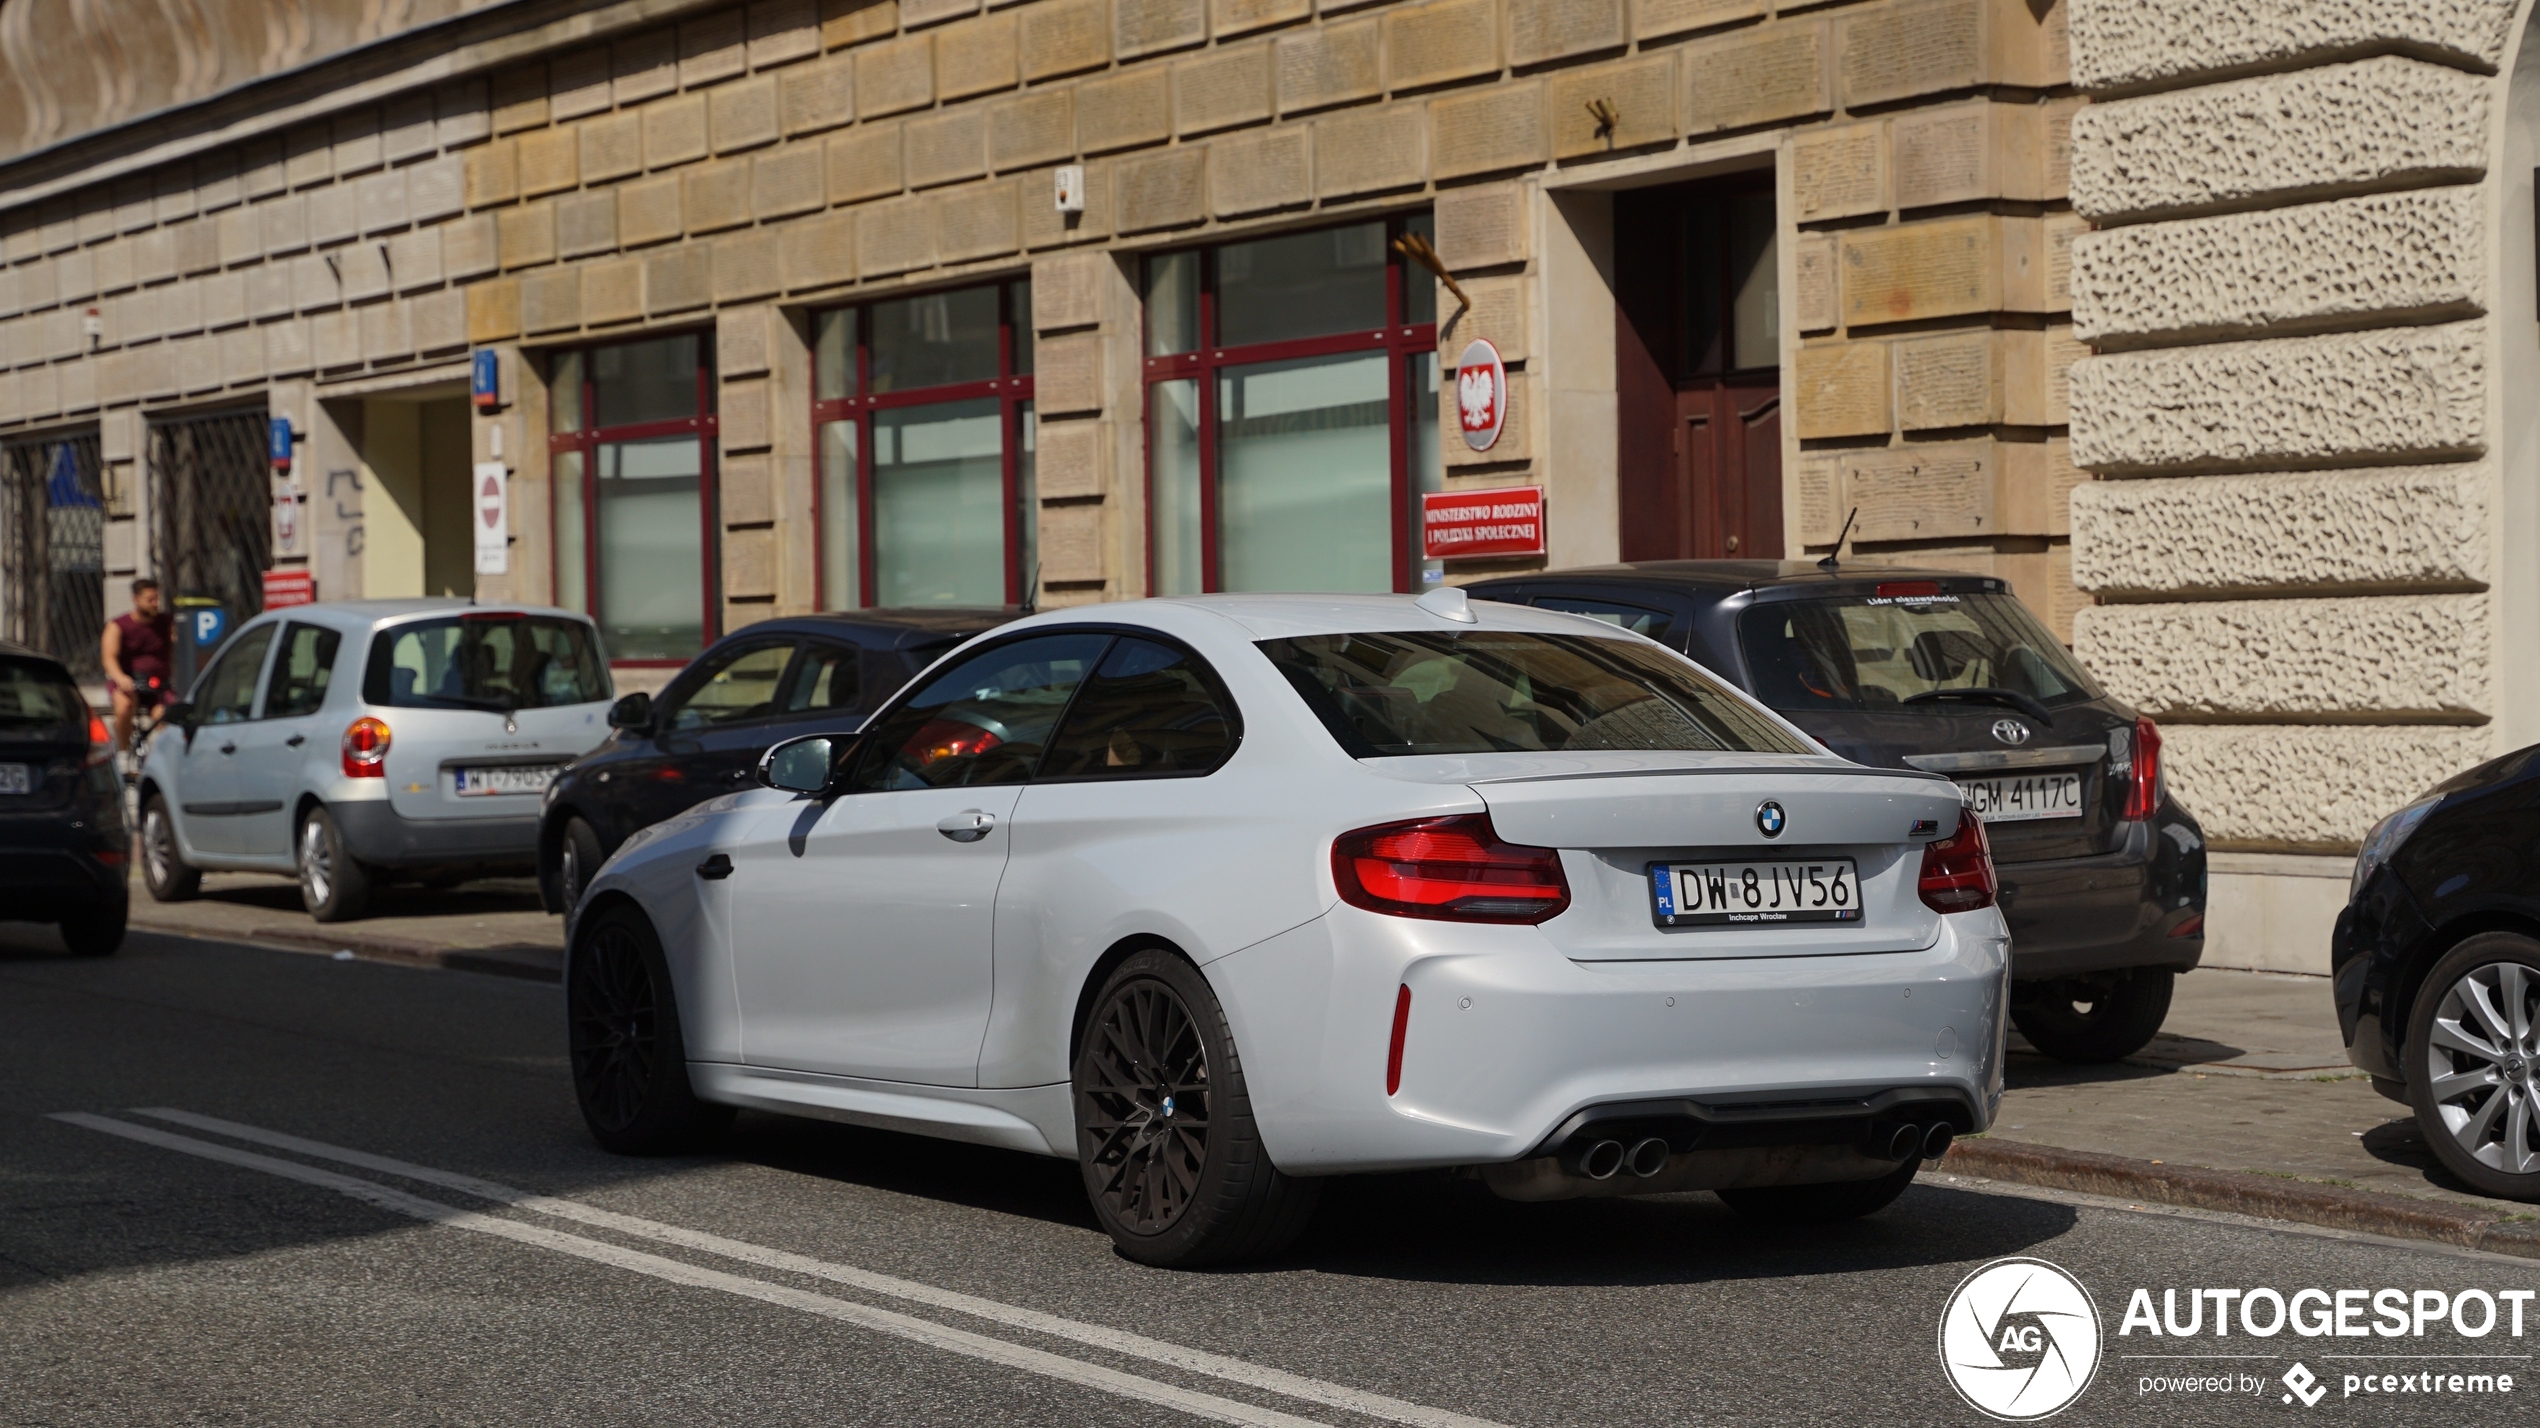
column 715, row 869
column 229, row 748
column 295, row 741
column 968, row 826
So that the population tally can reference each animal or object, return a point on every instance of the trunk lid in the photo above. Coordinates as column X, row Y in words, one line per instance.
column 1960, row 742
column 428, row 748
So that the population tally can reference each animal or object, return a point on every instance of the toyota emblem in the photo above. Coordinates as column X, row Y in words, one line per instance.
column 1769, row 819
column 2010, row 731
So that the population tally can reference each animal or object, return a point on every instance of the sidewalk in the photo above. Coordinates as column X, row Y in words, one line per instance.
column 491, row 925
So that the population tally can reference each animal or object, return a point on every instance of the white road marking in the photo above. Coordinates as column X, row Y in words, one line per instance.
column 978, row 1346
column 1234, row 1370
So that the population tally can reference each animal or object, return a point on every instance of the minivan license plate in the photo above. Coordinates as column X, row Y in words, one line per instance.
column 15, row 778
column 479, row 782
column 1754, row 894
column 2008, row 798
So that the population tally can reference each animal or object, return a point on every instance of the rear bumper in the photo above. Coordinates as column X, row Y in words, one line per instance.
column 48, row 884
column 2112, row 911
column 374, row 833
column 1510, row 1046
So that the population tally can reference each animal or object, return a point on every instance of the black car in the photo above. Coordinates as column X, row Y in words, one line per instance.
column 2435, row 965
column 62, row 838
column 702, row 735
column 2103, row 874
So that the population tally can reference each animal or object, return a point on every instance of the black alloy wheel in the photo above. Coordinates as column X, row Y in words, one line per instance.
column 630, row 1065
column 1172, row 1159
column 2091, row 1020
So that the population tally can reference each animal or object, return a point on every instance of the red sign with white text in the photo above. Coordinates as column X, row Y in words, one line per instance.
column 289, row 587
column 1507, row 520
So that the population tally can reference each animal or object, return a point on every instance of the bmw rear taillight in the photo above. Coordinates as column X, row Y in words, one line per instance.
column 1958, row 870
column 2143, row 778
column 1454, row 869
column 366, row 748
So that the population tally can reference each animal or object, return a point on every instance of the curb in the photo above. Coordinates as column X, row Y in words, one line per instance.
column 2240, row 1193
column 525, row 960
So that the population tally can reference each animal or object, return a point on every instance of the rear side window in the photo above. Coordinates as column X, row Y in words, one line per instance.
column 300, row 672
column 36, row 697
column 1869, row 652
column 826, row 680
column 739, row 685
column 1149, row 711
column 985, row 720
column 491, row 661
column 1493, row 691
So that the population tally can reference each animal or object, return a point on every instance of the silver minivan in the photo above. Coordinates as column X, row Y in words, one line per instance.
column 351, row 744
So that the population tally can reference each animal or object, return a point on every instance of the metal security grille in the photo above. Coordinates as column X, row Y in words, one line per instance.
column 53, row 549
column 211, row 509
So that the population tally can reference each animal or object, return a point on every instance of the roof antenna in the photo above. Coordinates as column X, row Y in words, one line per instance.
column 1830, row 564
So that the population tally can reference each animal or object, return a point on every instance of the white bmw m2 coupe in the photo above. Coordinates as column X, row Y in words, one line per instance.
column 1220, row 896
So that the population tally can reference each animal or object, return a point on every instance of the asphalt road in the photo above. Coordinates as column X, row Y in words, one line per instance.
column 164, row 1267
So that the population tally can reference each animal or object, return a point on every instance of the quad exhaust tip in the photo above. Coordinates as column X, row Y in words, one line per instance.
column 1907, row 1140
column 1647, row 1157
column 1602, row 1160
column 1936, row 1140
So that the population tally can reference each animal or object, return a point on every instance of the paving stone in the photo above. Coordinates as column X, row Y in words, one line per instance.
column 1166, row 189
column 1255, row 173
column 712, row 46
column 1371, row 150
column 1641, row 94
column 864, row 163
column 1488, row 130
column 612, row 147
column 819, row 96
column 674, row 131
column 1222, row 89
column 1328, row 65
column 1065, row 37
column 817, row 254
column 1131, row 109
column 649, row 212
column 676, row 280
column 895, row 77
column 947, row 147
column 744, row 115
column 977, row 56
column 1777, row 72
column 1036, row 127
column 526, row 237
column 717, row 196
column 895, row 237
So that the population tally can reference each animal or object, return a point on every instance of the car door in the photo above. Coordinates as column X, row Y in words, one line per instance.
column 863, row 923
column 707, row 729
column 273, row 747
column 224, row 703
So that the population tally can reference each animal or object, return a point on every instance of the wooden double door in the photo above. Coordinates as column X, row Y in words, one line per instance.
column 1697, row 346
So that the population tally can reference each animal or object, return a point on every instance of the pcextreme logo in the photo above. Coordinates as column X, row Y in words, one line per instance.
column 2019, row 1339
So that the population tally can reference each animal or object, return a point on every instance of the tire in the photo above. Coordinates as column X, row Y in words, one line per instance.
column 163, row 868
column 578, row 856
column 334, row 886
column 95, row 934
column 2470, row 1082
column 630, row 1061
column 2118, row 1021
column 1821, row 1204
column 1201, row 1190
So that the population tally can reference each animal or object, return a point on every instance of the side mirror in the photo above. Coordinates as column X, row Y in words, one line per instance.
column 181, row 714
column 801, row 765
column 635, row 711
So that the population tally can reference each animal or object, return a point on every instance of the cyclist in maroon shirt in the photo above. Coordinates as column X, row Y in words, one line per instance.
column 139, row 648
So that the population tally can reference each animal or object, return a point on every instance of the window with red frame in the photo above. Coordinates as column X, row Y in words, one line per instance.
column 1292, row 412
column 922, row 418
column 631, row 462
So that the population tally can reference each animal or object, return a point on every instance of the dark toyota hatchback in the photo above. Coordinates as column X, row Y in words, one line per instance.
column 62, row 839
column 2435, row 965
column 703, row 734
column 2103, row 874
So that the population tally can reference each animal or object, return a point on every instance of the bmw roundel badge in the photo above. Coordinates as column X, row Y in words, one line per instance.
column 1769, row 819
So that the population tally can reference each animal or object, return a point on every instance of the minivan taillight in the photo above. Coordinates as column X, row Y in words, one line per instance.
column 1454, row 869
column 1958, row 870
column 366, row 748
column 101, row 741
column 2143, row 780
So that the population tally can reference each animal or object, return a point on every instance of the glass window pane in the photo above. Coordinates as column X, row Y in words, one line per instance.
column 1419, row 288
column 652, row 558
column 841, row 519
column 1150, row 709
column 564, row 393
column 564, row 482
column 1755, row 272
column 637, row 382
column 1019, row 318
column 1305, row 475
column 1301, row 285
column 743, row 686
column 826, row 681
column 229, row 691
column 1428, row 463
column 300, row 673
column 1172, row 300
column 939, row 504
column 834, row 361
column 485, row 661
column 985, row 720
column 934, row 340
column 1027, row 505
column 1173, row 456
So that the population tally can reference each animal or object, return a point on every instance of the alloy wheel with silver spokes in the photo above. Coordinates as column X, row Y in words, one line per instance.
column 163, row 867
column 317, row 863
column 2480, row 1060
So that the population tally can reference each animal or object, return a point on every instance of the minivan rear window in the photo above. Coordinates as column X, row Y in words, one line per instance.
column 37, row 697
column 1881, row 651
column 1498, row 691
column 488, row 661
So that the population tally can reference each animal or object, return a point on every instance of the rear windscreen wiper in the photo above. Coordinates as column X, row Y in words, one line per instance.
column 2011, row 697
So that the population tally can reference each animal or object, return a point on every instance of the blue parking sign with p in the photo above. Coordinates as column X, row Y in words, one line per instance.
column 209, row 622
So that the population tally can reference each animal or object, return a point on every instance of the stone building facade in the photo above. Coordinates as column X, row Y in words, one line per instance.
column 2188, row 319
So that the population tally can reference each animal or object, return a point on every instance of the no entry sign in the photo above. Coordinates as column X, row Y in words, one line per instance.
column 1481, row 394
column 1507, row 520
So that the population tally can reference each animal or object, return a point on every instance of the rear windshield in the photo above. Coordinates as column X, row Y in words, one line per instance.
column 1491, row 691
column 1875, row 652
column 35, row 696
column 485, row 662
